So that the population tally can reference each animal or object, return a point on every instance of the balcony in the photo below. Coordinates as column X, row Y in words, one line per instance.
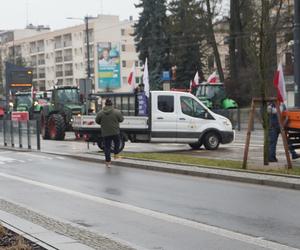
column 69, row 73
column 67, row 43
column 42, row 75
column 68, row 58
column 57, row 46
column 32, row 50
column 40, row 49
column 59, row 59
column 41, row 62
column 59, row 73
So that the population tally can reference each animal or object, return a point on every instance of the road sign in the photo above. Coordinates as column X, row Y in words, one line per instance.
column 19, row 116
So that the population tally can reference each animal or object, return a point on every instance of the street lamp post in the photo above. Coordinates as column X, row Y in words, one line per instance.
column 297, row 52
column 87, row 83
column 86, row 21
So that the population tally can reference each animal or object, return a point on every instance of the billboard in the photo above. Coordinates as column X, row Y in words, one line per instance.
column 109, row 70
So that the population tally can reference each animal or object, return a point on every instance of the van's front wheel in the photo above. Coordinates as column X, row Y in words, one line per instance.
column 211, row 141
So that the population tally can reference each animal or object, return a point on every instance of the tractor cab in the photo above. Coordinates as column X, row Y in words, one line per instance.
column 214, row 96
column 23, row 101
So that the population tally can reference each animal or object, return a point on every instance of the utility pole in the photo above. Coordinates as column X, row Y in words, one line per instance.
column 86, row 19
column 297, row 52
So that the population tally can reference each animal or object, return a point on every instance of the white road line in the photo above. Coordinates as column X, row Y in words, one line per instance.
column 36, row 156
column 6, row 159
column 258, row 241
column 60, row 157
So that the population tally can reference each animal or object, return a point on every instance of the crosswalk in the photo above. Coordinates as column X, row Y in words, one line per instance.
column 9, row 157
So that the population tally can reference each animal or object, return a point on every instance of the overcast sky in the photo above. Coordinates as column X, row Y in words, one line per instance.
column 15, row 14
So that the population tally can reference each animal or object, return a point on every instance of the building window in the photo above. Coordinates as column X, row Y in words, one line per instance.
column 137, row 80
column 136, row 63
column 123, row 47
column 123, row 32
column 124, row 64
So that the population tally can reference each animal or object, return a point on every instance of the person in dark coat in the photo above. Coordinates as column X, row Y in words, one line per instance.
column 274, row 131
column 109, row 119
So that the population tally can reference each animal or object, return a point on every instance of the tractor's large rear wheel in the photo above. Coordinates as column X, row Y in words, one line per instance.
column 57, row 127
column 44, row 127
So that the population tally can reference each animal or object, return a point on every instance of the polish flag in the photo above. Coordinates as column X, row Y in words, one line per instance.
column 32, row 92
column 279, row 84
column 212, row 78
column 131, row 77
column 146, row 79
column 195, row 82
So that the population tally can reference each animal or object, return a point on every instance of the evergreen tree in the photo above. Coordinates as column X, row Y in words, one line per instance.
column 151, row 39
column 186, row 33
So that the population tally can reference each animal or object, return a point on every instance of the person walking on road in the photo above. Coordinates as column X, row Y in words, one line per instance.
column 110, row 118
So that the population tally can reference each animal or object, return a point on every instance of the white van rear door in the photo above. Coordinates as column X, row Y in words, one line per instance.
column 164, row 117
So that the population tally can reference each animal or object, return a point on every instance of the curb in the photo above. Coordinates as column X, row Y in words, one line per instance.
column 46, row 239
column 249, row 177
column 236, row 175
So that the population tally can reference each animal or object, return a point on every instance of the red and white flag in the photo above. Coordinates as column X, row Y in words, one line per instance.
column 146, row 79
column 131, row 77
column 32, row 92
column 279, row 84
column 195, row 81
column 213, row 78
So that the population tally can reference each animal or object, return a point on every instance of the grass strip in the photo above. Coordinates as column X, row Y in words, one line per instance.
column 208, row 162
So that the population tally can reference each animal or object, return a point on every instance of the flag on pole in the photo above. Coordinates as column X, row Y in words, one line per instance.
column 195, row 81
column 32, row 92
column 212, row 78
column 131, row 77
column 279, row 84
column 191, row 85
column 146, row 78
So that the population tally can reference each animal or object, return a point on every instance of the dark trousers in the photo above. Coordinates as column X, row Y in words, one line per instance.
column 107, row 146
column 273, row 137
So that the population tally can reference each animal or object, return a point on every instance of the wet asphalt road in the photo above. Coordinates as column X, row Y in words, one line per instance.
column 152, row 210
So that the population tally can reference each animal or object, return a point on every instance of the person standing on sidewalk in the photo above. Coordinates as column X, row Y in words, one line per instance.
column 110, row 118
column 274, row 131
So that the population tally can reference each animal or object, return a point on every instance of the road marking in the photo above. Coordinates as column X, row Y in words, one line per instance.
column 258, row 241
column 36, row 156
column 6, row 159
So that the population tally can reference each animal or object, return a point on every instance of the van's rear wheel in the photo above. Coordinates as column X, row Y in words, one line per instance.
column 196, row 145
column 211, row 141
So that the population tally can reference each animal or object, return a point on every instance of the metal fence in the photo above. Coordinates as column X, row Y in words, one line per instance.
column 21, row 134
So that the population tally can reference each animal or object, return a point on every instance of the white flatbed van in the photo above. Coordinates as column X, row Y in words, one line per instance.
column 171, row 117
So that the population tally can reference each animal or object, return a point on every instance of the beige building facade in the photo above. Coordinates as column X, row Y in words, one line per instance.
column 60, row 57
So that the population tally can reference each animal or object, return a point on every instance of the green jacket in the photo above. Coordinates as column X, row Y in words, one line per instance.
column 109, row 119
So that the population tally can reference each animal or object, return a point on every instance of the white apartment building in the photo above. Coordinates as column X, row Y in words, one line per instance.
column 60, row 57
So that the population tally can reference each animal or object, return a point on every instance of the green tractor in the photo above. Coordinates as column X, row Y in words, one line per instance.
column 213, row 96
column 56, row 117
column 24, row 102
